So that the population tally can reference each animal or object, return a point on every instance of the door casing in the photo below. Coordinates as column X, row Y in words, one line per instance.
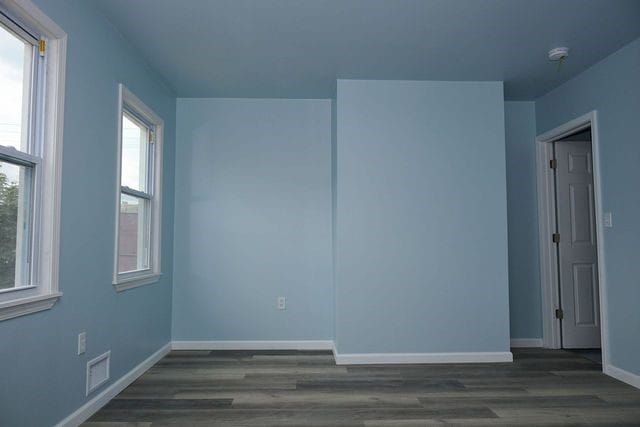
column 546, row 227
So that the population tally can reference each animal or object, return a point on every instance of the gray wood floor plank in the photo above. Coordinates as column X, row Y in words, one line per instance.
column 317, row 400
column 518, row 401
column 166, row 404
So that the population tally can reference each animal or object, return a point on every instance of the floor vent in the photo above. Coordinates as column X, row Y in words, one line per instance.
column 98, row 371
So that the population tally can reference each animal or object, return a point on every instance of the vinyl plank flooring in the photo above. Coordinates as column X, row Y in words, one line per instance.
column 305, row 388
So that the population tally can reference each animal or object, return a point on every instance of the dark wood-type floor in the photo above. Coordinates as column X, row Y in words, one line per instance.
column 285, row 388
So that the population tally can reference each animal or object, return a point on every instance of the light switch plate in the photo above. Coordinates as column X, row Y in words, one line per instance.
column 608, row 219
column 82, row 343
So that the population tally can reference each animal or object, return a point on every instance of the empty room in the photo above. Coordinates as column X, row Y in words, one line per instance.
column 319, row 213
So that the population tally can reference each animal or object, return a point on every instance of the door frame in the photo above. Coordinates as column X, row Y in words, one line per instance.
column 546, row 227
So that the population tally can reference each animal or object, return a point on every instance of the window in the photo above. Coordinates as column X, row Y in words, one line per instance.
column 135, row 195
column 32, row 51
column 137, row 257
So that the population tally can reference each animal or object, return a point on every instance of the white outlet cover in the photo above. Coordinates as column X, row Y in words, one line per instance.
column 608, row 219
column 282, row 303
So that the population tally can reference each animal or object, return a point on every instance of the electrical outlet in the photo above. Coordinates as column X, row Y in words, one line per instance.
column 282, row 303
column 82, row 343
column 608, row 219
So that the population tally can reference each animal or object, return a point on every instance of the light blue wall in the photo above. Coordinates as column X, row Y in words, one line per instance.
column 524, row 268
column 253, row 220
column 421, row 217
column 42, row 379
column 612, row 87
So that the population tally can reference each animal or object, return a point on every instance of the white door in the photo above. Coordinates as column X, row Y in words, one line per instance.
column 577, row 250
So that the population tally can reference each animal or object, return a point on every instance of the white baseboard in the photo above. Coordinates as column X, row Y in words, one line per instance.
column 91, row 407
column 252, row 345
column 526, row 342
column 388, row 358
column 622, row 375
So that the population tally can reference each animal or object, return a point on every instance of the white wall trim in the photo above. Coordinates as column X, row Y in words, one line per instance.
column 135, row 282
column 91, row 407
column 622, row 375
column 397, row 358
column 347, row 359
column 22, row 306
column 546, row 218
column 253, row 345
column 526, row 342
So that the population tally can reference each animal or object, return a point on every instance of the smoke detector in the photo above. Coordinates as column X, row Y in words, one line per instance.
column 558, row 53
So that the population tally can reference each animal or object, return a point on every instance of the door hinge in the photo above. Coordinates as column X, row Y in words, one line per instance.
column 559, row 314
column 42, row 47
column 553, row 163
column 555, row 237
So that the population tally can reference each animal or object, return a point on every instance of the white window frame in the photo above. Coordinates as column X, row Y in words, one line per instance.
column 128, row 102
column 48, row 114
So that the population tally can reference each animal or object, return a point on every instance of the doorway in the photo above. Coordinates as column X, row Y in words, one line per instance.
column 570, row 226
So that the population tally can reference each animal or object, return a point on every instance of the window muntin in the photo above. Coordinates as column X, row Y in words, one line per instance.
column 19, row 157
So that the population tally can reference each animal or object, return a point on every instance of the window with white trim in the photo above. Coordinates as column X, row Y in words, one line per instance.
column 137, row 255
column 32, row 60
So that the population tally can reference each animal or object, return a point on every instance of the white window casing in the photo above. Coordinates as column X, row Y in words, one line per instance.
column 131, row 105
column 42, row 162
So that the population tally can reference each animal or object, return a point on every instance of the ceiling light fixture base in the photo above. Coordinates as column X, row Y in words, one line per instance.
column 558, row 53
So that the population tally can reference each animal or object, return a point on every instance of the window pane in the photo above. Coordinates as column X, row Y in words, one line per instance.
column 15, row 76
column 15, row 204
column 133, row 234
column 135, row 153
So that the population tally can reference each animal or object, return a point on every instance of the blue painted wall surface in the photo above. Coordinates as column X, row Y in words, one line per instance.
column 612, row 87
column 42, row 379
column 253, row 220
column 421, row 217
column 525, row 305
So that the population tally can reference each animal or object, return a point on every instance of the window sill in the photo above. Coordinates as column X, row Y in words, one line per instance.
column 133, row 282
column 23, row 306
